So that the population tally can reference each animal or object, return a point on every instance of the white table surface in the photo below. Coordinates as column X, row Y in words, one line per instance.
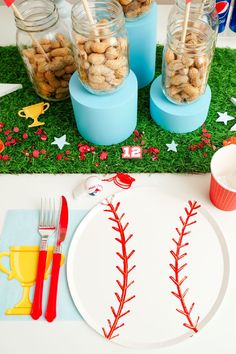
column 24, row 192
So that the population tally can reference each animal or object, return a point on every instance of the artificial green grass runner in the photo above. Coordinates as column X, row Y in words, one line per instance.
column 60, row 120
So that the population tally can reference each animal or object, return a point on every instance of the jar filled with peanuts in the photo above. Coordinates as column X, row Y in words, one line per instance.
column 100, row 45
column 135, row 8
column 45, row 47
column 186, row 63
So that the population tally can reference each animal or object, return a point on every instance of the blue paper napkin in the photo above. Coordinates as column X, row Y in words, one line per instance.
column 20, row 229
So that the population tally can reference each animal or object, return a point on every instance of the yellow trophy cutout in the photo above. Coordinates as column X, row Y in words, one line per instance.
column 34, row 112
column 23, row 264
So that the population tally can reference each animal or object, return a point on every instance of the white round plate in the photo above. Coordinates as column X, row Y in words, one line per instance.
column 102, row 279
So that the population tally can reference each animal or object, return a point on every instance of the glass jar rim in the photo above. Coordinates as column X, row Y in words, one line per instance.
column 198, row 5
column 84, row 23
column 45, row 21
column 180, row 47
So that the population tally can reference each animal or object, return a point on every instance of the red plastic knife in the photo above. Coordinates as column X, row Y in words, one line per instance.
column 50, row 314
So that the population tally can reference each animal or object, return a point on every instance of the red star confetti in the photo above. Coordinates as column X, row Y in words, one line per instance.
column 152, row 151
column 59, row 156
column 35, row 153
column 138, row 136
column 84, row 149
column 25, row 136
column 7, row 132
column 103, row 155
column 205, row 140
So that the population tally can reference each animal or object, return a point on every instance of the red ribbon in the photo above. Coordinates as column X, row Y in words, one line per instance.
column 9, row 2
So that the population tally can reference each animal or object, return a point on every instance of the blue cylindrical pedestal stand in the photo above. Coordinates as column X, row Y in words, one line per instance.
column 142, row 34
column 106, row 119
column 177, row 118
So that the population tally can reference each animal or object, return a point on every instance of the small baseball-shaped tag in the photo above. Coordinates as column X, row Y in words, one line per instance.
column 93, row 186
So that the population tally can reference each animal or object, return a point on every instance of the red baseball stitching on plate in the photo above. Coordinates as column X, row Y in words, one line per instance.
column 177, row 267
column 124, row 270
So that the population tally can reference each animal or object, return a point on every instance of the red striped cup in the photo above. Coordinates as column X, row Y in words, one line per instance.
column 223, row 166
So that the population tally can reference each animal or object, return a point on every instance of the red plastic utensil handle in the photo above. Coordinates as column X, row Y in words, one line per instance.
column 36, row 310
column 51, row 311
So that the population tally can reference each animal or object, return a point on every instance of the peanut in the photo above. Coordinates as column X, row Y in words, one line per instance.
column 57, row 64
column 173, row 90
column 175, row 65
column 184, row 71
column 55, row 44
column 179, row 79
column 87, row 47
column 104, row 86
column 125, row 2
column 100, row 70
column 121, row 72
column 99, row 47
column 187, row 61
column 200, row 62
column 59, row 73
column 190, row 90
column 66, row 77
column 117, row 63
column 193, row 73
column 134, row 8
column 96, row 59
column 169, row 56
column 62, row 90
column 112, row 53
column 96, row 79
column 46, row 48
column 123, row 44
column 42, row 42
column 60, row 52
column 45, row 86
column 68, row 60
column 63, row 40
column 63, row 83
column 196, row 82
column 28, row 53
column 80, row 39
column 69, row 69
column 43, row 67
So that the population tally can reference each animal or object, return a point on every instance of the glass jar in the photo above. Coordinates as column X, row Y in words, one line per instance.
column 100, row 50
column 135, row 8
column 186, row 66
column 45, row 47
column 199, row 9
